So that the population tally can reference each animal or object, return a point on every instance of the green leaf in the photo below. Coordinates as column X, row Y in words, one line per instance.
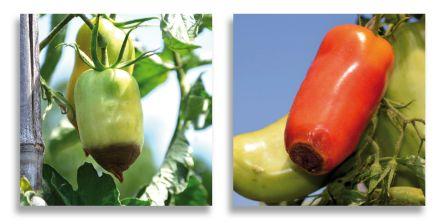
column 345, row 196
column 150, row 73
column 64, row 136
column 25, row 185
column 94, row 189
column 49, row 95
column 57, row 190
column 374, row 176
column 135, row 202
column 198, row 109
column 141, row 191
column 417, row 165
column 53, row 53
column 24, row 200
column 179, row 31
column 205, row 21
column 204, row 171
column 173, row 174
column 195, row 193
column 190, row 60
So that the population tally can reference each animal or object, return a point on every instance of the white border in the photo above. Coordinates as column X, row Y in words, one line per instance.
column 221, row 212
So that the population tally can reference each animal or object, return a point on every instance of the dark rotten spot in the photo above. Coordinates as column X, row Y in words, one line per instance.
column 116, row 158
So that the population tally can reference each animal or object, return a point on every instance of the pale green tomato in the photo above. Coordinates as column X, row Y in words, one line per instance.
column 110, row 118
column 263, row 171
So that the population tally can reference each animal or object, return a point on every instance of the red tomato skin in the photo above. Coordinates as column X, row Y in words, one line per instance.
column 340, row 93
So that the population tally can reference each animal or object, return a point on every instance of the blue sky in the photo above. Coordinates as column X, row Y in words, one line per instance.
column 271, row 55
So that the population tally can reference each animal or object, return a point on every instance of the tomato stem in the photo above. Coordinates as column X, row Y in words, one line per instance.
column 55, row 31
column 133, row 23
column 184, row 88
column 86, row 21
column 393, row 27
column 374, row 23
column 93, row 46
column 388, row 104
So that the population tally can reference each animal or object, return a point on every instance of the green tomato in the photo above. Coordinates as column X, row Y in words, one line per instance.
column 109, row 118
column 114, row 38
column 262, row 169
column 406, row 84
column 401, row 196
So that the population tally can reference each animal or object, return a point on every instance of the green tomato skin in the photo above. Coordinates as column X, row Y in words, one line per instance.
column 114, row 38
column 110, row 118
column 404, row 196
column 262, row 169
column 406, row 84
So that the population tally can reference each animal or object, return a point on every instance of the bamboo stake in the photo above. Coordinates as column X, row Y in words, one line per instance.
column 31, row 144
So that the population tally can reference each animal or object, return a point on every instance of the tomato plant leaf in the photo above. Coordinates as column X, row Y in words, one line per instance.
column 150, row 72
column 192, row 60
column 374, row 176
column 194, row 194
column 417, row 165
column 337, row 193
column 56, row 189
column 179, row 31
column 173, row 174
column 24, row 201
column 63, row 136
column 134, row 202
column 94, row 189
column 198, row 109
column 53, row 53
column 25, row 185
column 205, row 21
column 204, row 171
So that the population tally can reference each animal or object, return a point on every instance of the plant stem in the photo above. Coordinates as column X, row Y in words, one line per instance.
column 183, row 92
column 101, row 42
column 184, row 88
column 393, row 109
column 374, row 23
column 86, row 20
column 55, row 31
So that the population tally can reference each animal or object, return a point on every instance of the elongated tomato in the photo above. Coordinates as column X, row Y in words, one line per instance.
column 341, row 91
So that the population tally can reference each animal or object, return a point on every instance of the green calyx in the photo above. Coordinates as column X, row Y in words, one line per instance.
column 102, row 62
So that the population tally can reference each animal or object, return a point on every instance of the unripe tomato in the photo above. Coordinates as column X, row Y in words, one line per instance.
column 114, row 38
column 406, row 84
column 262, row 169
column 109, row 118
column 404, row 196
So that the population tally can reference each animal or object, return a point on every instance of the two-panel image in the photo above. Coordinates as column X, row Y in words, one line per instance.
column 327, row 109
